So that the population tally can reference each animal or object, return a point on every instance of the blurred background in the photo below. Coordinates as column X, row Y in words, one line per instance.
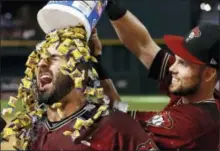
column 20, row 32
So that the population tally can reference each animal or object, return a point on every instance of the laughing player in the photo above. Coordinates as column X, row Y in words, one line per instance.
column 191, row 119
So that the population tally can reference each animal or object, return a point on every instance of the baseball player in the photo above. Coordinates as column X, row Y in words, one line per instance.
column 188, row 75
column 65, row 108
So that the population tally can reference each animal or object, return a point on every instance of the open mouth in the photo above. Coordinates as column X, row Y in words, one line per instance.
column 174, row 80
column 45, row 80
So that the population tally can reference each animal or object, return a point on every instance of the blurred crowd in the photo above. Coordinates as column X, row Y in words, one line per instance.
column 18, row 19
column 19, row 22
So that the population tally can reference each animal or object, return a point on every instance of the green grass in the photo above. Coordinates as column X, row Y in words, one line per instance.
column 145, row 103
column 141, row 103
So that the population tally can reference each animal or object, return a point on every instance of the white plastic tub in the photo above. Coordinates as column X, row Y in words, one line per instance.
column 62, row 14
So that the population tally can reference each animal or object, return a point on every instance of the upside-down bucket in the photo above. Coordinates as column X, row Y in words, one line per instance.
column 65, row 13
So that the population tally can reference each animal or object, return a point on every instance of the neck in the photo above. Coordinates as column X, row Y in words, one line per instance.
column 71, row 103
column 201, row 95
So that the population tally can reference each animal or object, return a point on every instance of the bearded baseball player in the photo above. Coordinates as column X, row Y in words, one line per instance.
column 188, row 76
column 64, row 104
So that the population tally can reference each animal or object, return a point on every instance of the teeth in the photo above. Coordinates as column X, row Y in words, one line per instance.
column 45, row 76
column 174, row 80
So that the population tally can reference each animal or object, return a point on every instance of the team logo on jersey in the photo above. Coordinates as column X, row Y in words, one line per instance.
column 162, row 119
column 195, row 33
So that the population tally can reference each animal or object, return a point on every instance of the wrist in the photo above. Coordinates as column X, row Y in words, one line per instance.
column 114, row 11
column 100, row 69
column 97, row 54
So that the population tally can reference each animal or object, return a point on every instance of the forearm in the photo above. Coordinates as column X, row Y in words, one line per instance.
column 135, row 37
column 106, row 82
column 131, row 32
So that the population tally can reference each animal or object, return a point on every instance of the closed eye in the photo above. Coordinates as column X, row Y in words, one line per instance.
column 55, row 57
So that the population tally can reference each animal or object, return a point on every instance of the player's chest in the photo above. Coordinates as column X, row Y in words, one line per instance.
column 55, row 140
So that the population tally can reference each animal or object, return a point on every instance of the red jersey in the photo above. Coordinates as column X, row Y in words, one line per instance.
column 180, row 126
column 116, row 131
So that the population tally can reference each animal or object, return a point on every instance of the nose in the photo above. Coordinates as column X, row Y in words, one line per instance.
column 173, row 68
column 43, row 63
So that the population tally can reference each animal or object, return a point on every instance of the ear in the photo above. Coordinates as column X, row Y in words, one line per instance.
column 210, row 74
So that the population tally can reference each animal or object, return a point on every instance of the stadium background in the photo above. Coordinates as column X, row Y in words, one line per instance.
column 20, row 33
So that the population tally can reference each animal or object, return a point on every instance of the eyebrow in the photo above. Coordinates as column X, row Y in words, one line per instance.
column 55, row 55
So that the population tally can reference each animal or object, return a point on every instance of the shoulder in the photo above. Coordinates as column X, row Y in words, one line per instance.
column 195, row 119
column 199, row 114
column 194, row 111
column 118, row 130
column 187, row 121
column 123, row 124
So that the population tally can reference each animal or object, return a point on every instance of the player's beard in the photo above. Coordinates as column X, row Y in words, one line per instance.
column 61, row 87
column 186, row 90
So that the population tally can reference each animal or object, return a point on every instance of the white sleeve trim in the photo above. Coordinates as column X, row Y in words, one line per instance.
column 164, row 66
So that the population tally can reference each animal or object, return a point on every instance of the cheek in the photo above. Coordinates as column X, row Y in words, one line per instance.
column 187, row 77
column 36, row 73
column 56, row 66
column 55, row 69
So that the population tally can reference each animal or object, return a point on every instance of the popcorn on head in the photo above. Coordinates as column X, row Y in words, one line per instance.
column 73, row 47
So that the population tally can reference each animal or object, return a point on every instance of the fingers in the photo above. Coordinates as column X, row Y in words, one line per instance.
column 94, row 34
column 94, row 30
column 95, row 43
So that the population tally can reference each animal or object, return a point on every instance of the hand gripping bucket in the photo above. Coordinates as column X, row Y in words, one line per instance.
column 65, row 13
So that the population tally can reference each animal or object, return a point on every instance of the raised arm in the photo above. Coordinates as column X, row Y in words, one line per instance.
column 132, row 33
column 105, row 81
